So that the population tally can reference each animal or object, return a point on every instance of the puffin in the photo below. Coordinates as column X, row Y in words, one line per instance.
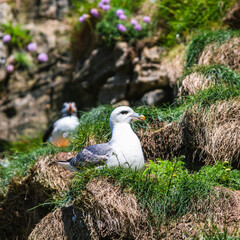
column 58, row 132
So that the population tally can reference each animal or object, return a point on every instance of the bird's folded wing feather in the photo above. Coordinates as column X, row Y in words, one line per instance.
column 48, row 133
column 93, row 155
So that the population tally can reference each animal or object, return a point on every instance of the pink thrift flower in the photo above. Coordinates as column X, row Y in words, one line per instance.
column 119, row 12
column 82, row 18
column 42, row 57
column 146, row 19
column 138, row 27
column 32, row 47
column 100, row 5
column 7, row 38
column 121, row 28
column 134, row 22
column 94, row 12
column 10, row 68
column 106, row 7
column 122, row 17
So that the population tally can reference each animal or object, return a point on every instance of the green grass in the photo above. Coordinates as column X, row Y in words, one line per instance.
column 22, row 60
column 171, row 193
column 199, row 42
column 183, row 17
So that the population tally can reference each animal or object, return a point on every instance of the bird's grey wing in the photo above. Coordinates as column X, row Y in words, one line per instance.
column 48, row 133
column 94, row 155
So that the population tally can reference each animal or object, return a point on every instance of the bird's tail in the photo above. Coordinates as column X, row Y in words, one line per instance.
column 67, row 166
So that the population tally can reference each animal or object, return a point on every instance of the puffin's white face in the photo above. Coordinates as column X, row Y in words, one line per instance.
column 69, row 109
column 124, row 114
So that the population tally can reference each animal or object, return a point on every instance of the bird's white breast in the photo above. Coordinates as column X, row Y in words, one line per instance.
column 127, row 148
column 64, row 125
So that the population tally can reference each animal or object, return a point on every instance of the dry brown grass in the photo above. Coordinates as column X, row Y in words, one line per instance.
column 193, row 83
column 227, row 53
column 223, row 132
column 63, row 224
column 44, row 180
column 111, row 213
column 223, row 212
column 202, row 136
column 164, row 142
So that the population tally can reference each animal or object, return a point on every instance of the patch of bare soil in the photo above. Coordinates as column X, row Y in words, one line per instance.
column 227, row 53
column 18, row 214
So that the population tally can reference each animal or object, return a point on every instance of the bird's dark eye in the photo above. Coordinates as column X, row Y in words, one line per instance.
column 124, row 112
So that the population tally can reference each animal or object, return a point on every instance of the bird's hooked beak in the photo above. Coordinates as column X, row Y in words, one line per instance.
column 137, row 117
column 70, row 109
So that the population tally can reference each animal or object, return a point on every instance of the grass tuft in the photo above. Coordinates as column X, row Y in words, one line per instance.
column 18, row 163
column 225, row 85
column 199, row 42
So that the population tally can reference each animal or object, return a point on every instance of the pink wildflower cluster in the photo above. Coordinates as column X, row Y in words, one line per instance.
column 105, row 5
column 32, row 47
column 134, row 22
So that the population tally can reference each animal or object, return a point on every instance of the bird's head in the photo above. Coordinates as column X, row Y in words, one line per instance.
column 124, row 114
column 69, row 109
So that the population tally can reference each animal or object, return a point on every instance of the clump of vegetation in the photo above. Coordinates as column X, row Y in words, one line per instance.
column 109, row 33
column 22, row 60
column 224, row 84
column 165, row 189
column 19, row 36
column 199, row 42
column 180, row 18
column 110, row 26
column 18, row 163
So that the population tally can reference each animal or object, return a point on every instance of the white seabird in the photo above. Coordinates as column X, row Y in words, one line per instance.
column 58, row 132
column 123, row 149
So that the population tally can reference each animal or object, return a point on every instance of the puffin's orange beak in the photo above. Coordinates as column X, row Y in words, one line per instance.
column 70, row 109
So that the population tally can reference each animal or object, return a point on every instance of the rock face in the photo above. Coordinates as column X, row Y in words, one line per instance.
column 117, row 74
column 42, row 9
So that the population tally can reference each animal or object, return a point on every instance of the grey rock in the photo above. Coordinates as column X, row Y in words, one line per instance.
column 3, row 59
column 5, row 13
column 156, row 97
column 153, row 54
column 42, row 9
